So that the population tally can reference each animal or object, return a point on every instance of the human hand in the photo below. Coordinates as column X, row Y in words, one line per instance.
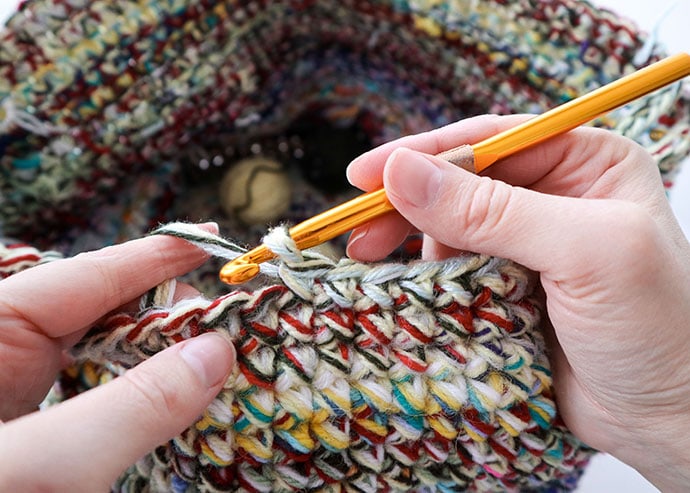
column 588, row 212
column 83, row 444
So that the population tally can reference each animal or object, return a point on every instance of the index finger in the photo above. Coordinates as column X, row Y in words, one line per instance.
column 366, row 171
column 65, row 296
column 552, row 166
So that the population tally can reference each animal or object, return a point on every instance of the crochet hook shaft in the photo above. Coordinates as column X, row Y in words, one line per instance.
column 474, row 158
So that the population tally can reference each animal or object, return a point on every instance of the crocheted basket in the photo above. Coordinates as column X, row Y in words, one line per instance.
column 401, row 376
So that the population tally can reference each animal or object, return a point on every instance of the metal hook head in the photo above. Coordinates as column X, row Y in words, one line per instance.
column 237, row 273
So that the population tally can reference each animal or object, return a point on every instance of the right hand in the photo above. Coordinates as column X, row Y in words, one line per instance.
column 588, row 212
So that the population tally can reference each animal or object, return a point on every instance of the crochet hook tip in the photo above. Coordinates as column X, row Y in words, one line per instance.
column 238, row 273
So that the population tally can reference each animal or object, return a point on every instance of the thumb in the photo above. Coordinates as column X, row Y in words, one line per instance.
column 479, row 214
column 85, row 443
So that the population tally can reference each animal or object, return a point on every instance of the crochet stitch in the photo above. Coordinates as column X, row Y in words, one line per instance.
column 369, row 377
column 402, row 376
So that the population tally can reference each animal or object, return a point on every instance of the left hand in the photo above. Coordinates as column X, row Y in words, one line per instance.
column 78, row 445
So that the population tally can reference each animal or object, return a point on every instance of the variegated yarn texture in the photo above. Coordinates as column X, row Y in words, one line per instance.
column 117, row 116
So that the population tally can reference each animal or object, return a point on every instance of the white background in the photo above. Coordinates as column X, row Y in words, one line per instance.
column 605, row 474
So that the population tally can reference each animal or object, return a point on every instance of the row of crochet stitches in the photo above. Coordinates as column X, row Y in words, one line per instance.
column 367, row 378
column 93, row 91
column 428, row 376
column 15, row 257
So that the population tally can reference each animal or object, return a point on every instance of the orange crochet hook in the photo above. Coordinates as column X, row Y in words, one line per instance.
column 474, row 158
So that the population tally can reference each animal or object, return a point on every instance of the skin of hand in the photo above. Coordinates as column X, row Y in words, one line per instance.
column 84, row 443
column 586, row 210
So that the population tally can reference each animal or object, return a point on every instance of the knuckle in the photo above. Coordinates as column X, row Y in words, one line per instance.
column 153, row 394
column 634, row 231
column 96, row 264
column 486, row 208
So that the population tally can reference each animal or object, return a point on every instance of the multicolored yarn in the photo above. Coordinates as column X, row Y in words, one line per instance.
column 95, row 93
column 389, row 377
column 15, row 257
column 351, row 377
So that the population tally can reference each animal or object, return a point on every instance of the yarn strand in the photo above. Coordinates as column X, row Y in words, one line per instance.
column 366, row 375
column 117, row 116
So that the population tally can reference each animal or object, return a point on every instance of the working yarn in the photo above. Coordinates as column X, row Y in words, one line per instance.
column 402, row 376
column 118, row 107
column 362, row 377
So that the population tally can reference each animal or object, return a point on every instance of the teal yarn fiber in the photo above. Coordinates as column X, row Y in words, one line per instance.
column 119, row 116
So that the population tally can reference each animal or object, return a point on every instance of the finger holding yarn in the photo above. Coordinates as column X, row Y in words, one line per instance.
column 377, row 377
column 117, row 117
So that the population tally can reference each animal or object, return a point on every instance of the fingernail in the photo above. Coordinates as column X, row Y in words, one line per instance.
column 355, row 237
column 210, row 226
column 413, row 178
column 209, row 356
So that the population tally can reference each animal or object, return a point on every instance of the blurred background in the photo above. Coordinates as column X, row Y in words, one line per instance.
column 668, row 20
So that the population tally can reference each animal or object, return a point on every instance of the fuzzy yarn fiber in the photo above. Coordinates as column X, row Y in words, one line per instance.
column 401, row 376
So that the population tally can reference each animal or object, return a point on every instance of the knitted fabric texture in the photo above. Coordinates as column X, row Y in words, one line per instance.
column 356, row 377
column 400, row 376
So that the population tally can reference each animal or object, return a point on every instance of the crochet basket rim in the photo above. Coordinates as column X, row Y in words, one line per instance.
column 393, row 377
